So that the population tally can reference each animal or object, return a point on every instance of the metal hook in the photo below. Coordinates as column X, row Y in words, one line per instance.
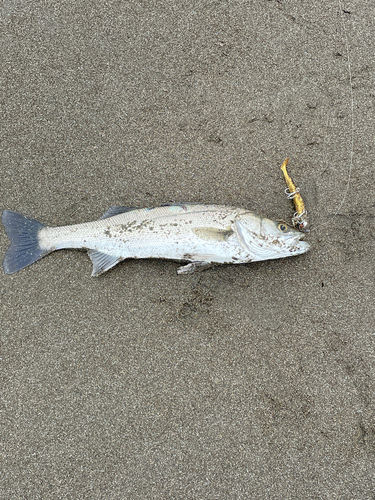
column 289, row 195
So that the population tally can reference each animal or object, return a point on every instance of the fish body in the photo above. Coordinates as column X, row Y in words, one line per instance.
column 202, row 235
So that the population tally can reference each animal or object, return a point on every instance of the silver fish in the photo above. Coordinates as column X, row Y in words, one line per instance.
column 202, row 235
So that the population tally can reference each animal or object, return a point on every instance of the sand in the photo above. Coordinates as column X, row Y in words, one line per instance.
column 252, row 381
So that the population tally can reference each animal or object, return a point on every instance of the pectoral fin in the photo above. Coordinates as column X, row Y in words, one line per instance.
column 102, row 262
column 194, row 267
column 213, row 234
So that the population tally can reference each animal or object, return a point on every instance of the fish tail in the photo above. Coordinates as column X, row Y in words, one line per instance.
column 24, row 248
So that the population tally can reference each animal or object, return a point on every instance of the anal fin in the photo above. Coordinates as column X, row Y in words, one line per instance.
column 194, row 267
column 102, row 262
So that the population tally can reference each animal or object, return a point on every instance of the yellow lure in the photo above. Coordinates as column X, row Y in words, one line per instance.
column 292, row 191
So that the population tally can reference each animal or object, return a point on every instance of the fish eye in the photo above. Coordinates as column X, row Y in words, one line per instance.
column 283, row 227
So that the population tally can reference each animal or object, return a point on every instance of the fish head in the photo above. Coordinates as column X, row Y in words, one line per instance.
column 267, row 239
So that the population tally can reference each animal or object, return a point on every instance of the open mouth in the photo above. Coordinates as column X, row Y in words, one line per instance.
column 303, row 246
column 297, row 241
column 296, row 236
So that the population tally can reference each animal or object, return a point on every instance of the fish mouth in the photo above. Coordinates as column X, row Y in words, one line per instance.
column 301, row 246
column 297, row 244
column 304, row 246
column 297, row 236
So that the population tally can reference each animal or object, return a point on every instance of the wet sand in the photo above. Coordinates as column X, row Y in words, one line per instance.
column 252, row 381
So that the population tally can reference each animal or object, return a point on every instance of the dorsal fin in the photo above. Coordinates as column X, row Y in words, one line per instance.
column 116, row 210
column 171, row 204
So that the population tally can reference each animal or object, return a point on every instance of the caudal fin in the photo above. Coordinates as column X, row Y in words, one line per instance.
column 23, row 235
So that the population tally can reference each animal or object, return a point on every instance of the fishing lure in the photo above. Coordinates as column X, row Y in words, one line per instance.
column 299, row 218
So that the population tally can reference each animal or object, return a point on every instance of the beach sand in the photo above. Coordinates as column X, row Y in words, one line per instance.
column 250, row 381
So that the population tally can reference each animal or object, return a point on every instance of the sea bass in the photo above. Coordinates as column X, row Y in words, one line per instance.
column 203, row 235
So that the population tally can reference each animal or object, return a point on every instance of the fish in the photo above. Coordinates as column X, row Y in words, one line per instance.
column 201, row 235
column 299, row 218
